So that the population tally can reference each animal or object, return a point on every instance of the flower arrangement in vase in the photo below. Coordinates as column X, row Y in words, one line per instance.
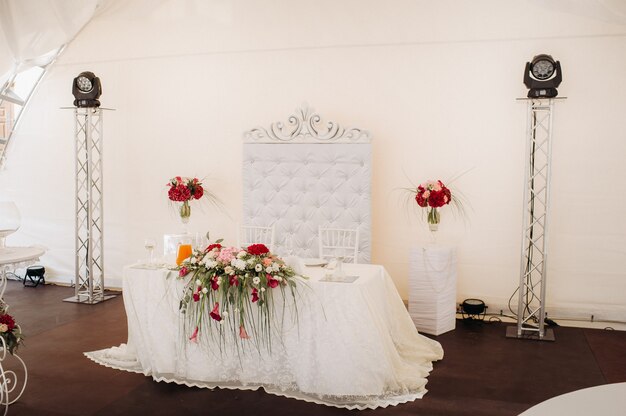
column 184, row 190
column 433, row 195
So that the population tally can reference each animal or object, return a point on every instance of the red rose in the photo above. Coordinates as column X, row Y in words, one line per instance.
column 420, row 200
column 212, row 246
column 436, row 199
column 183, row 271
column 179, row 193
column 255, row 295
column 447, row 194
column 198, row 192
column 8, row 321
column 196, row 297
column 214, row 284
column 257, row 249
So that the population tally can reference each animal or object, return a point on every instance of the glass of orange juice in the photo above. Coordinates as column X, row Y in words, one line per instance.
column 184, row 251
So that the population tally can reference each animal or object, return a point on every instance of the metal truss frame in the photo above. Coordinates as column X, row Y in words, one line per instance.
column 89, row 243
column 531, row 307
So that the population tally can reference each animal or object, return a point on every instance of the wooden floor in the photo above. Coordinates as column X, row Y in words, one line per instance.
column 482, row 373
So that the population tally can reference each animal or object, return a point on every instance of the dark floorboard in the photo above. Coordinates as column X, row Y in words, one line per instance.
column 482, row 373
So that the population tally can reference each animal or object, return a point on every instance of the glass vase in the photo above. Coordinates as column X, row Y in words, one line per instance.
column 185, row 212
column 434, row 217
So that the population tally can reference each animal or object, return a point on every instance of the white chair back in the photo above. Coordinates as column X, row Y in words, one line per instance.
column 252, row 234
column 339, row 242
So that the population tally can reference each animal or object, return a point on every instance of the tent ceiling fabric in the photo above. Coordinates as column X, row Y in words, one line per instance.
column 32, row 29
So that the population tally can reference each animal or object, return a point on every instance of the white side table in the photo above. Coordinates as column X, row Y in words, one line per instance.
column 432, row 288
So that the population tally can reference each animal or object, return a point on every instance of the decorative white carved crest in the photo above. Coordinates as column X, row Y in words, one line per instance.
column 305, row 126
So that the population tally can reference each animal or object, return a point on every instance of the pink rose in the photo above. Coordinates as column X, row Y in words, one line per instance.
column 426, row 194
column 183, row 271
column 267, row 261
column 227, row 254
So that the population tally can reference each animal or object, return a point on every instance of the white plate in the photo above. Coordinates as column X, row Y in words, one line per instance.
column 315, row 262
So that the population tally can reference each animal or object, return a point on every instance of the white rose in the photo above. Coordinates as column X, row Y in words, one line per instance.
column 205, row 290
column 228, row 270
column 269, row 269
column 241, row 254
column 194, row 260
column 258, row 268
column 256, row 280
column 198, row 282
column 280, row 279
column 262, row 289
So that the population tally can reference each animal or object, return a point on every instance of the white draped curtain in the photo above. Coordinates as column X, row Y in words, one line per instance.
column 32, row 34
column 31, row 31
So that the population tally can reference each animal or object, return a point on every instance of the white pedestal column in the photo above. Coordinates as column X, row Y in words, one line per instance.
column 432, row 288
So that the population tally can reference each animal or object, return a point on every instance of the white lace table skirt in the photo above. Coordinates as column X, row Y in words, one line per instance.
column 354, row 346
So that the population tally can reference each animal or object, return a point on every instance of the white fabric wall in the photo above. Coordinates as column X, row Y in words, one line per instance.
column 435, row 83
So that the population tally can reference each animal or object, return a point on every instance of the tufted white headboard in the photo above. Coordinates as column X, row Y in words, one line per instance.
column 306, row 174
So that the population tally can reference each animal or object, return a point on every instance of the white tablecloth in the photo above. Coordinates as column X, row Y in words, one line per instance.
column 354, row 346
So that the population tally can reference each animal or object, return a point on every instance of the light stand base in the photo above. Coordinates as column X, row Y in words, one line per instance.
column 85, row 299
column 548, row 335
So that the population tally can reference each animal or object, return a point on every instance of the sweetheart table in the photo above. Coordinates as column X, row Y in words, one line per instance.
column 354, row 344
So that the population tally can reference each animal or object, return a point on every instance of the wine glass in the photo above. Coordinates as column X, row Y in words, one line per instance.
column 150, row 244
column 338, row 274
column 288, row 244
column 9, row 220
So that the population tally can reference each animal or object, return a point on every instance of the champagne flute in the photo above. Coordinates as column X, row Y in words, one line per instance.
column 149, row 244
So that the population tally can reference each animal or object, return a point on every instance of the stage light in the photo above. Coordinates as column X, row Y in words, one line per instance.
column 86, row 89
column 474, row 309
column 542, row 75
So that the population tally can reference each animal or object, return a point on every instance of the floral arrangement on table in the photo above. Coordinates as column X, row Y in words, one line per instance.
column 230, row 291
column 433, row 195
column 185, row 190
column 10, row 332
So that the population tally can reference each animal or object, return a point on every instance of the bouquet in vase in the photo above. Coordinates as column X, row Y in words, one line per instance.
column 185, row 190
column 433, row 195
